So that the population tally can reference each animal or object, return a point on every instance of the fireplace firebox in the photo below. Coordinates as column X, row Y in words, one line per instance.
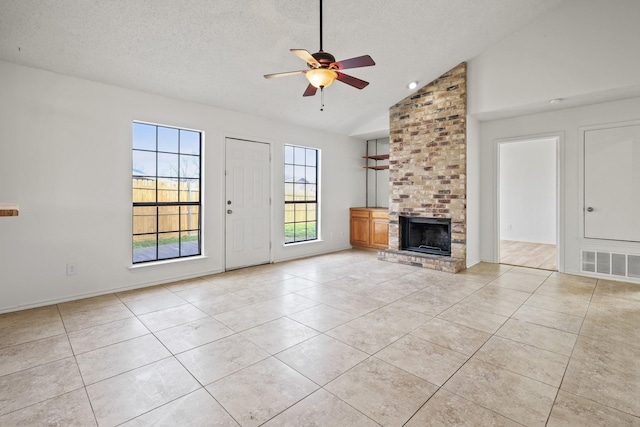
column 426, row 235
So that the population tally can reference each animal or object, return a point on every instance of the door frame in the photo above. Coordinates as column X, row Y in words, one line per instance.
column 560, row 224
column 223, row 185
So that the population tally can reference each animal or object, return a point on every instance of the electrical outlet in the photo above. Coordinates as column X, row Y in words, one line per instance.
column 72, row 269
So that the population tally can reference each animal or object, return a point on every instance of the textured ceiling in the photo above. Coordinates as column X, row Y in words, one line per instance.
column 216, row 52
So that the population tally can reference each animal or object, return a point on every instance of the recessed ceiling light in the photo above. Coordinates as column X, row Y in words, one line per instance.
column 412, row 85
column 555, row 101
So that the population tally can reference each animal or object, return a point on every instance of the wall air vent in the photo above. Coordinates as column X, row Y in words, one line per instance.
column 618, row 264
column 634, row 266
column 589, row 261
column 603, row 262
column 611, row 264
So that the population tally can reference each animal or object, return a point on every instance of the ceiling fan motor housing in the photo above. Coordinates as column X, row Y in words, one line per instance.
column 324, row 58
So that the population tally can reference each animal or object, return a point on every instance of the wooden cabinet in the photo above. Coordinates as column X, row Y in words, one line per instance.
column 380, row 229
column 370, row 227
column 360, row 227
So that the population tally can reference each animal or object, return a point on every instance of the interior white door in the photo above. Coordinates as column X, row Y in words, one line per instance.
column 612, row 183
column 247, row 215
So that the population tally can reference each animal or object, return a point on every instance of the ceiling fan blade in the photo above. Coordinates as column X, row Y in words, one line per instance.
column 351, row 81
column 360, row 61
column 311, row 90
column 287, row 73
column 306, row 57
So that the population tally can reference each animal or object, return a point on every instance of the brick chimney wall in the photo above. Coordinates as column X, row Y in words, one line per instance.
column 428, row 157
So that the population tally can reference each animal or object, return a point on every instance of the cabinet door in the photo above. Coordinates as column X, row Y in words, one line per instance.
column 360, row 228
column 380, row 233
column 612, row 183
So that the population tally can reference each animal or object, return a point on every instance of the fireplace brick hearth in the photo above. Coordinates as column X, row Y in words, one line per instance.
column 427, row 166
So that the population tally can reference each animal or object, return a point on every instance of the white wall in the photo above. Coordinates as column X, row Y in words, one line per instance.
column 582, row 53
column 65, row 158
column 473, row 191
column 528, row 191
column 567, row 124
column 583, row 47
column 376, row 128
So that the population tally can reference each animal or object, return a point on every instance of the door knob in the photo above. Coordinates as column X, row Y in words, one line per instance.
column 229, row 211
column 589, row 209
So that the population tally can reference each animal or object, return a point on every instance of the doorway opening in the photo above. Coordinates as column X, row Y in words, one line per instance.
column 527, row 203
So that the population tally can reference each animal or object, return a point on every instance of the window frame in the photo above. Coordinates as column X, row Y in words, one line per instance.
column 157, row 177
column 292, row 201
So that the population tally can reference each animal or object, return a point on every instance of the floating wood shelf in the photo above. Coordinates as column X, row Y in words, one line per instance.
column 9, row 209
column 377, row 157
column 375, row 161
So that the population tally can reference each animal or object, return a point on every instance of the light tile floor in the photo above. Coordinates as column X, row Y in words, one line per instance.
column 336, row 340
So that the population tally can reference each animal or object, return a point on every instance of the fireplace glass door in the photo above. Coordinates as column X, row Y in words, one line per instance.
column 426, row 235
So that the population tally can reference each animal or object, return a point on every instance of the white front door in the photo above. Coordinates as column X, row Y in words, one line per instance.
column 612, row 183
column 247, row 203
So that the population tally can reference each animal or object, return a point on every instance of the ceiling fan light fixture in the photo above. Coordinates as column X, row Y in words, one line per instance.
column 321, row 77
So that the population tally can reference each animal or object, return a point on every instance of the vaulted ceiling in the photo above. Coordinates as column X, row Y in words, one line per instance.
column 216, row 52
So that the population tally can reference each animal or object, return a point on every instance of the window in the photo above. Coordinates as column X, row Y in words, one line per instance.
column 300, row 194
column 166, row 192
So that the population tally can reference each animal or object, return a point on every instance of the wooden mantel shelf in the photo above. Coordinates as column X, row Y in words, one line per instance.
column 9, row 209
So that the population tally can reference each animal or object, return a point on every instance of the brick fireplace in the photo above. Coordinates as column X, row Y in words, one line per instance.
column 427, row 167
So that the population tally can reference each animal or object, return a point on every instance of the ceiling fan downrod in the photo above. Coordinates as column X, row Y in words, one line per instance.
column 320, row 25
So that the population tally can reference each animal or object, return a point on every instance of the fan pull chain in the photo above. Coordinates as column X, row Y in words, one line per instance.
column 321, row 98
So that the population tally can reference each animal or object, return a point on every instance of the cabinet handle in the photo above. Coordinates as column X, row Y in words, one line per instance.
column 589, row 209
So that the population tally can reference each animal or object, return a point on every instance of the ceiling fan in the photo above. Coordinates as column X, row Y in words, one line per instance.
column 324, row 69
